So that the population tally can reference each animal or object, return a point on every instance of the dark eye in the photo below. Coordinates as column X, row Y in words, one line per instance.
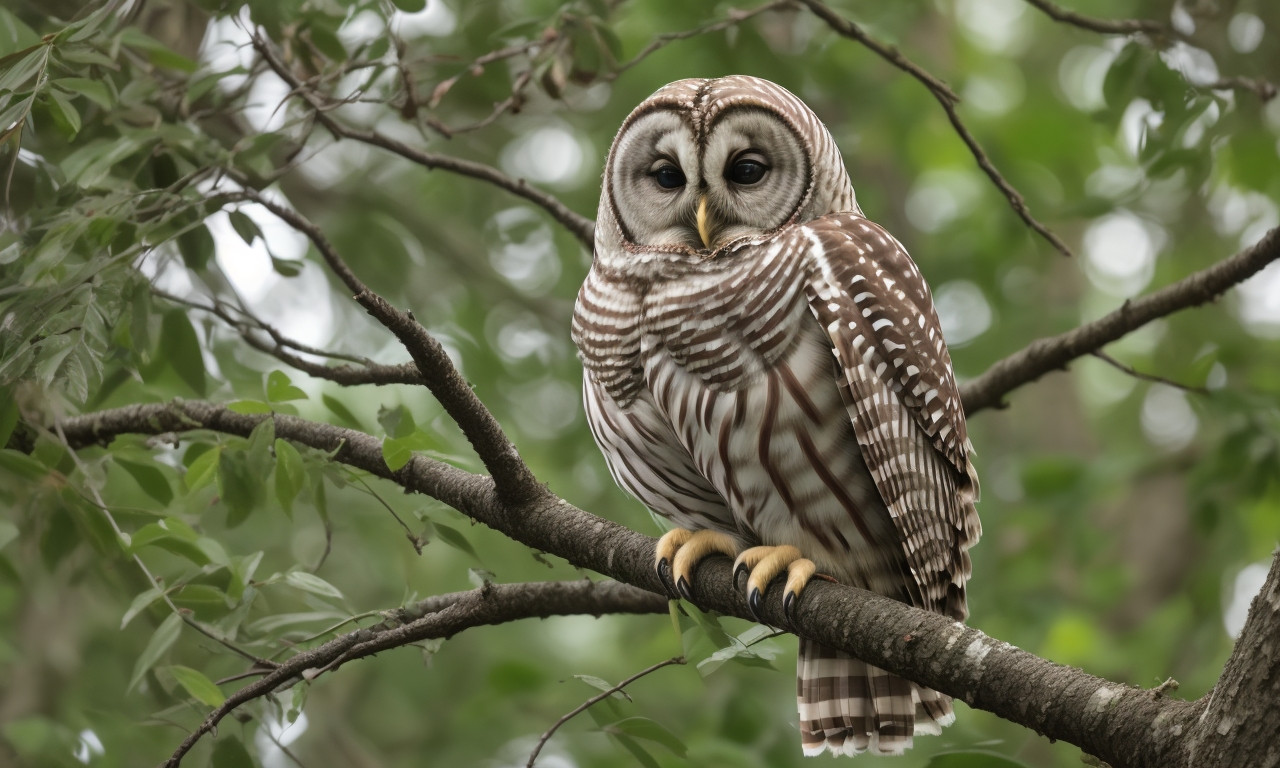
column 747, row 171
column 669, row 177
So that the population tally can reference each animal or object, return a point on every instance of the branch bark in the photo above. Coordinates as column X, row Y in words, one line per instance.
column 1055, row 352
column 442, row 616
column 1123, row 725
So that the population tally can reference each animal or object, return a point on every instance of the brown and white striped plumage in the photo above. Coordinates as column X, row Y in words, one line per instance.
column 785, row 382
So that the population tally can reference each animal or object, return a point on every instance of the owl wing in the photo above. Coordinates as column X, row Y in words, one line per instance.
column 894, row 371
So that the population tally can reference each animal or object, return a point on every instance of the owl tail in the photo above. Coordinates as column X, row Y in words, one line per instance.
column 848, row 706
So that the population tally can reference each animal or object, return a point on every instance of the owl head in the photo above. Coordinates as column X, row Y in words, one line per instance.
column 706, row 162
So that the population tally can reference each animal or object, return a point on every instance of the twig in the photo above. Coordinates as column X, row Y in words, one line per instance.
column 735, row 17
column 595, row 699
column 1103, row 26
column 1109, row 360
column 511, row 475
column 1265, row 90
column 492, row 604
column 580, row 226
column 948, row 99
column 1054, row 352
column 365, row 372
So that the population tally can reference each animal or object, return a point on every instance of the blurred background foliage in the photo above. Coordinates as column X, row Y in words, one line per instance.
column 1124, row 517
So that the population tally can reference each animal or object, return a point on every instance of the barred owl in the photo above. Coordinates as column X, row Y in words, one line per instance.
column 765, row 369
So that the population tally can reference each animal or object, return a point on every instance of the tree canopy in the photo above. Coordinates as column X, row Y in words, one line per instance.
column 294, row 442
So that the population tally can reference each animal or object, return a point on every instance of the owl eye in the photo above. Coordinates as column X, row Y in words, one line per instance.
column 747, row 172
column 669, row 177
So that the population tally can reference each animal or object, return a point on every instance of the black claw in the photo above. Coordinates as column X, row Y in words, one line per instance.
column 684, row 588
column 754, row 602
column 789, row 602
column 737, row 573
column 664, row 571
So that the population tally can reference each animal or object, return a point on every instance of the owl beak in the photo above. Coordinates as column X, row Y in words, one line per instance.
column 703, row 230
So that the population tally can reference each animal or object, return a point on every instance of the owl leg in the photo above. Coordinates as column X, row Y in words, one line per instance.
column 766, row 563
column 679, row 550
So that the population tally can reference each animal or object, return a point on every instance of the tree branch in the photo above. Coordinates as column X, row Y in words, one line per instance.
column 363, row 372
column 948, row 99
column 1055, row 352
column 440, row 617
column 580, row 226
column 510, row 473
column 1123, row 725
column 1102, row 26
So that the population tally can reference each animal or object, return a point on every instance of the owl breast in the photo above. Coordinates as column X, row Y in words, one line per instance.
column 729, row 365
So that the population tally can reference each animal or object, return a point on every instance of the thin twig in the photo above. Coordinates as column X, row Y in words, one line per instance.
column 1129, row 369
column 537, row 748
column 580, row 226
column 1103, row 26
column 1055, row 352
column 733, row 19
column 948, row 99
column 491, row 604
column 1265, row 90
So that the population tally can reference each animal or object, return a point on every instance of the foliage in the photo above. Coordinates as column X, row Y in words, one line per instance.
column 135, row 268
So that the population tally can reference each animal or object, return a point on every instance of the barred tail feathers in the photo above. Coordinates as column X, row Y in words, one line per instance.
column 848, row 706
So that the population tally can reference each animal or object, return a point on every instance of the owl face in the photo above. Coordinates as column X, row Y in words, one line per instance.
column 703, row 163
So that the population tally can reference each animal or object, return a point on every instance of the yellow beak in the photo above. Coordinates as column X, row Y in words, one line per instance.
column 703, row 231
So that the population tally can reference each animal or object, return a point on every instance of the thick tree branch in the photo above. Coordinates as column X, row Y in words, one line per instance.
column 579, row 225
column 948, row 99
column 1055, row 352
column 440, row 617
column 1123, row 725
column 513, row 478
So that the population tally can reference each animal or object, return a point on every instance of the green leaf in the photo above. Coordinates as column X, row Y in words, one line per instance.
column 339, row 409
column 228, row 752
column 22, row 465
column 244, row 226
column 156, row 51
column 200, row 687
column 454, row 538
column 64, row 111
column 148, row 477
column 159, row 645
column 238, row 486
column 18, row 72
column 180, row 347
column 290, row 474
column 650, row 730
column 202, row 470
column 280, row 389
column 93, row 90
column 140, row 604
column 602, row 685
column 286, row 267
column 973, row 759
column 410, row 6
column 197, row 247
column 309, row 582
column 398, row 421
column 395, row 453
column 272, row 624
column 14, row 34
column 637, row 751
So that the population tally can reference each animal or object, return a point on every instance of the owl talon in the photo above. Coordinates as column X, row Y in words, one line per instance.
column 766, row 563
column 684, row 588
column 680, row 550
column 738, row 572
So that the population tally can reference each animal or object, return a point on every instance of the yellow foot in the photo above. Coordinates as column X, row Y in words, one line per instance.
column 765, row 563
column 679, row 550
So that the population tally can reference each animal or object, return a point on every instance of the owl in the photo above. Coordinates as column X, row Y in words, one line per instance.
column 764, row 368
